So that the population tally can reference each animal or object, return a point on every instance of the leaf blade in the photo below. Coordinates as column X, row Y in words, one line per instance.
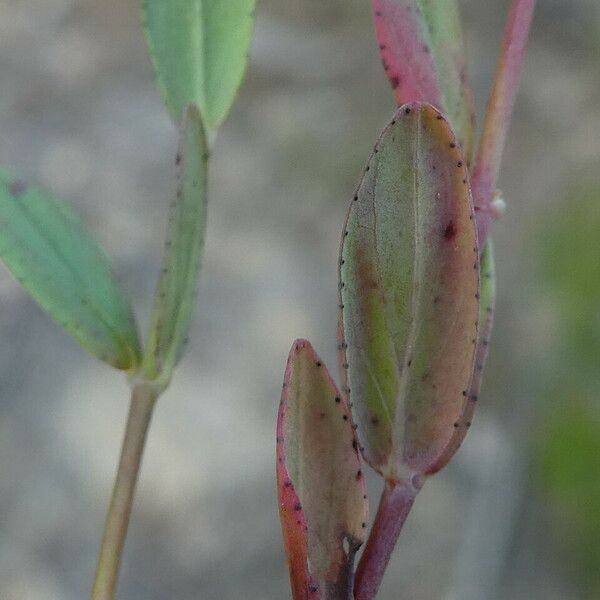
column 199, row 50
column 409, row 294
column 176, row 290
column 320, row 483
column 49, row 252
column 421, row 47
column 486, row 319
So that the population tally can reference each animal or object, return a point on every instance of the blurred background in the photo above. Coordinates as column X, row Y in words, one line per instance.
column 516, row 515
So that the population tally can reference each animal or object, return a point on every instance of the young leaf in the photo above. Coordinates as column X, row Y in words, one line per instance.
column 486, row 320
column 321, row 487
column 48, row 250
column 176, row 290
column 409, row 288
column 199, row 49
column 421, row 48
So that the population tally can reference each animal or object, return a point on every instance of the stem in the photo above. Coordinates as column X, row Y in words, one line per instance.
column 499, row 111
column 143, row 398
column 395, row 504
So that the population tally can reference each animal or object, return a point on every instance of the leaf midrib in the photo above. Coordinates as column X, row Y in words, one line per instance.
column 70, row 267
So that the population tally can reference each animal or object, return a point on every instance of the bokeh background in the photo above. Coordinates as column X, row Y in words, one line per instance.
column 517, row 513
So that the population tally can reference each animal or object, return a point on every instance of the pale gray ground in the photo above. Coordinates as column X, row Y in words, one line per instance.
column 79, row 113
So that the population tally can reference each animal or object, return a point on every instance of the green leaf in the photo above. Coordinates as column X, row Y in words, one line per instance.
column 321, row 487
column 409, row 287
column 176, row 290
column 199, row 49
column 421, row 46
column 48, row 250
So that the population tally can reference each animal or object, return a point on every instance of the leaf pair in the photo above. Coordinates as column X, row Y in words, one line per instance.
column 421, row 48
column 409, row 295
column 199, row 48
column 415, row 316
column 422, row 52
column 49, row 251
column 409, row 313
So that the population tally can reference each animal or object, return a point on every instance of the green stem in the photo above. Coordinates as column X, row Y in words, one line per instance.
column 143, row 398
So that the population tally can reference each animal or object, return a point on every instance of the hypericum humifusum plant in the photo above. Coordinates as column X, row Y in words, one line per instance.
column 416, row 289
column 199, row 49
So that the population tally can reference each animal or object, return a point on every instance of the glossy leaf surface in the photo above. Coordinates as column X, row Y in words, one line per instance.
column 50, row 253
column 176, row 290
column 421, row 48
column 321, row 487
column 409, row 288
column 199, row 49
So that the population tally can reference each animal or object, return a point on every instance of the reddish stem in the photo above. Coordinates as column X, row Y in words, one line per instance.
column 395, row 504
column 499, row 111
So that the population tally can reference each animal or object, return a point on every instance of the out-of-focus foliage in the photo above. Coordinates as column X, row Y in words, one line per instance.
column 199, row 49
column 568, row 447
column 569, row 471
column 570, row 257
column 176, row 293
column 50, row 253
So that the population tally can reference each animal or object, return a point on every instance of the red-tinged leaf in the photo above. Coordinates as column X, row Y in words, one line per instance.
column 322, row 496
column 295, row 531
column 409, row 290
column 423, row 56
column 486, row 320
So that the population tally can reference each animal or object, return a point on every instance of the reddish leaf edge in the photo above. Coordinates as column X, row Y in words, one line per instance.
column 293, row 518
column 481, row 355
column 406, row 89
column 410, row 68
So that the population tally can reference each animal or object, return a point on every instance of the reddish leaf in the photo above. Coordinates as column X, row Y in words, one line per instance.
column 486, row 320
column 322, row 496
column 409, row 289
column 422, row 53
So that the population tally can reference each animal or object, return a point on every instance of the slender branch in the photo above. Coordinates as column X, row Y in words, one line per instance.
column 499, row 112
column 143, row 398
column 395, row 504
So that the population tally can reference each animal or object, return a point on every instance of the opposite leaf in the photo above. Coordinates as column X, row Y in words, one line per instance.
column 49, row 252
column 199, row 49
column 321, row 487
column 176, row 290
column 422, row 51
column 409, row 287
column 486, row 323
